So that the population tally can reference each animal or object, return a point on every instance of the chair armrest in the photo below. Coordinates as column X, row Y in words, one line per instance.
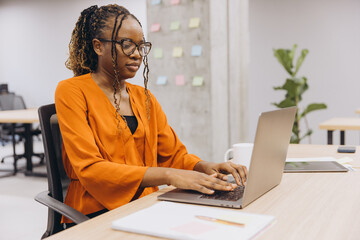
column 60, row 207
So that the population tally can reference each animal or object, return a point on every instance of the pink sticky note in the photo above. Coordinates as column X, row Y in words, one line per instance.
column 179, row 80
column 175, row 2
column 155, row 27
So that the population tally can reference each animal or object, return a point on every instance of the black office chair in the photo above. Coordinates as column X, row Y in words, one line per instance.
column 4, row 88
column 57, row 178
column 15, row 132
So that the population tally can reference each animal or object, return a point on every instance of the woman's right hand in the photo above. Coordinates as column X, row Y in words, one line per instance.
column 193, row 180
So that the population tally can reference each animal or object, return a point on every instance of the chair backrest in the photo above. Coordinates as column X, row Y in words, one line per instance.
column 7, row 101
column 4, row 88
column 57, row 178
column 18, row 103
column 11, row 101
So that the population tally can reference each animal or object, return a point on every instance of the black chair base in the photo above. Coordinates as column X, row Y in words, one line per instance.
column 18, row 157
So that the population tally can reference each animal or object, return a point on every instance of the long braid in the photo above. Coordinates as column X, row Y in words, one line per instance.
column 116, row 84
column 146, row 79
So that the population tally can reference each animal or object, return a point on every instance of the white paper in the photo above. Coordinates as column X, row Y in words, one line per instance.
column 178, row 221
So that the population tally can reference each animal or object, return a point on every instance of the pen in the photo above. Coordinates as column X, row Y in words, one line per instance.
column 211, row 219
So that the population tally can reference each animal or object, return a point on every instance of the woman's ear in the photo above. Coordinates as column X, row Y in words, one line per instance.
column 98, row 47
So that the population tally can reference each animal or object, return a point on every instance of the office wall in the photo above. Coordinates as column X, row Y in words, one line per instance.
column 201, row 114
column 34, row 43
column 35, row 35
column 330, row 30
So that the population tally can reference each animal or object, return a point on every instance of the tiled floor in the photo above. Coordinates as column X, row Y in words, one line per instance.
column 21, row 217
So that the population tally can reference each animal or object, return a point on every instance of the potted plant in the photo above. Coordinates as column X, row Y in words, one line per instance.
column 295, row 87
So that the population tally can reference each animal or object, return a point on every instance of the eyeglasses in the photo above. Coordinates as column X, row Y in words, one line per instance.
column 128, row 46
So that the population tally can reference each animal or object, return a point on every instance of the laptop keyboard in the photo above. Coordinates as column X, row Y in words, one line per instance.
column 225, row 195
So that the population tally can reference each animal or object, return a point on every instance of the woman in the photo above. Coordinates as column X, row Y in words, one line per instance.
column 118, row 145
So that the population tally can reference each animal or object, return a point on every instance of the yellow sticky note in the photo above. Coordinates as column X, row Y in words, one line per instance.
column 175, row 25
column 177, row 52
column 155, row 27
column 158, row 52
column 180, row 80
column 198, row 81
column 194, row 22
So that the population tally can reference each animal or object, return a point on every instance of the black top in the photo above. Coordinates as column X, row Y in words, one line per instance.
column 132, row 123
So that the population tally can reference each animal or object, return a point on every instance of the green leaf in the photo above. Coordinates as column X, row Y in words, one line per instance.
column 292, row 53
column 284, row 57
column 294, row 139
column 300, row 60
column 290, row 86
column 285, row 103
column 313, row 107
column 303, row 86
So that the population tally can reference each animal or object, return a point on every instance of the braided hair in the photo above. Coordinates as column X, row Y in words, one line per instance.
column 82, row 57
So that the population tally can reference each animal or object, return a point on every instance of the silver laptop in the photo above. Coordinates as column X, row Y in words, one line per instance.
column 266, row 168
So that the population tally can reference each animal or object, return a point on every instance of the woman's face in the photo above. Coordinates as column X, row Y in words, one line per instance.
column 127, row 65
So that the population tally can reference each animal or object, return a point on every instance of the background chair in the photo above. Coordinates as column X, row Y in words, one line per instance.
column 15, row 132
column 4, row 88
column 57, row 178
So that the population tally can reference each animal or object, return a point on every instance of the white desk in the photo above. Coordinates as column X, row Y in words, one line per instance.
column 27, row 117
column 340, row 124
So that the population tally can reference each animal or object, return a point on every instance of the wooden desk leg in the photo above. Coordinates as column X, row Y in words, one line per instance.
column 342, row 137
column 330, row 137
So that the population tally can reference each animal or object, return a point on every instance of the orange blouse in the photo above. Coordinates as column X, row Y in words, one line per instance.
column 106, row 166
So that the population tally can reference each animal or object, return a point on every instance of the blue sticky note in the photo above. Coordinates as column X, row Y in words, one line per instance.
column 155, row 2
column 196, row 50
column 161, row 80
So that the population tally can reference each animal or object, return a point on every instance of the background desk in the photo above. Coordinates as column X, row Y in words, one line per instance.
column 27, row 117
column 341, row 124
column 306, row 205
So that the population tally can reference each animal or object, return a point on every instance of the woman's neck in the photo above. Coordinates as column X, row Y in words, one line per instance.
column 106, row 82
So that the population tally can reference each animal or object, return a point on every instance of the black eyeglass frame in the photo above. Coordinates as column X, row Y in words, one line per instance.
column 130, row 40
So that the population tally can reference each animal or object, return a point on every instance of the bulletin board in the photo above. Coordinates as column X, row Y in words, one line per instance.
column 179, row 64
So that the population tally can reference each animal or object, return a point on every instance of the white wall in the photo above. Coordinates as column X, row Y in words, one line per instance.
column 35, row 35
column 34, row 43
column 330, row 29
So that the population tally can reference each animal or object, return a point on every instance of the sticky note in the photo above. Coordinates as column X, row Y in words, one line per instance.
column 175, row 25
column 194, row 22
column 155, row 2
column 196, row 50
column 161, row 80
column 177, row 52
column 180, row 80
column 158, row 52
column 175, row 2
column 198, row 81
column 155, row 27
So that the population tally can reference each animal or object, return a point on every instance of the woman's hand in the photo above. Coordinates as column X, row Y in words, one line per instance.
column 201, row 182
column 223, row 169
